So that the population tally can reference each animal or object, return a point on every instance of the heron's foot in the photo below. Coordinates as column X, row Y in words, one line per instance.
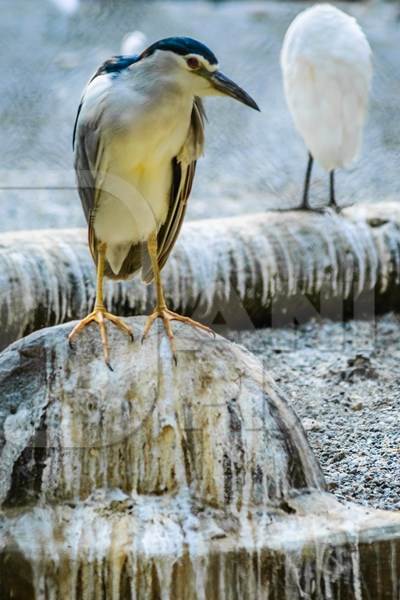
column 100, row 316
column 167, row 316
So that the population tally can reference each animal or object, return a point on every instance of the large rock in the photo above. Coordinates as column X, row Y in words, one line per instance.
column 158, row 481
column 215, row 424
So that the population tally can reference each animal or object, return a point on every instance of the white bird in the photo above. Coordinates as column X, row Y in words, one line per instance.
column 326, row 64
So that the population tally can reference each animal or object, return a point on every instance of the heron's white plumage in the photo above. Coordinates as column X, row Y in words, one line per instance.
column 143, row 120
column 327, row 71
column 138, row 133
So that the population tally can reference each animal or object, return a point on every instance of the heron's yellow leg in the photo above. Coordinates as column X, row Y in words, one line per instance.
column 161, row 310
column 99, row 314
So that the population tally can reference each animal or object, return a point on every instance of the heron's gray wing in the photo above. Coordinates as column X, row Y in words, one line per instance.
column 87, row 144
column 88, row 152
column 88, row 159
column 113, row 66
column 183, row 168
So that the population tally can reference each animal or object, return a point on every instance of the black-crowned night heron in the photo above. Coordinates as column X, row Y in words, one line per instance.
column 326, row 65
column 138, row 134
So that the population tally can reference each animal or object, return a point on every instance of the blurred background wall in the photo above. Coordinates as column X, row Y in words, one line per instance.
column 253, row 161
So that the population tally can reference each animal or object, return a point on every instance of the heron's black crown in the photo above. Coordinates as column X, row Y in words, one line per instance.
column 182, row 46
column 115, row 65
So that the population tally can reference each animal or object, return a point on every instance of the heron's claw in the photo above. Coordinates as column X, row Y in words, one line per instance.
column 100, row 316
column 167, row 316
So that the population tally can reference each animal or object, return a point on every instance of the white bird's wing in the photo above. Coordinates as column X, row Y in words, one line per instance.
column 327, row 70
column 329, row 106
column 184, row 167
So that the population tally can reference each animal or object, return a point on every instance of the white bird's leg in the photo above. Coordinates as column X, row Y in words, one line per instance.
column 332, row 197
column 99, row 314
column 161, row 311
column 305, row 204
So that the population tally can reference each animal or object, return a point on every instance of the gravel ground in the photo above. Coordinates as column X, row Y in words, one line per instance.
column 343, row 381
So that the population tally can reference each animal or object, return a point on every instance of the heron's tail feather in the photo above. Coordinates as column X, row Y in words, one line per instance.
column 130, row 265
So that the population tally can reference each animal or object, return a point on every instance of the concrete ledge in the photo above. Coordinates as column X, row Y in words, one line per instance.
column 256, row 270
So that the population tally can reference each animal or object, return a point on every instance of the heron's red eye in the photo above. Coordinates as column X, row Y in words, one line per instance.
column 193, row 63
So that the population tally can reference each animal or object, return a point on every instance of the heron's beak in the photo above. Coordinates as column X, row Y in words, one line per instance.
column 229, row 88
